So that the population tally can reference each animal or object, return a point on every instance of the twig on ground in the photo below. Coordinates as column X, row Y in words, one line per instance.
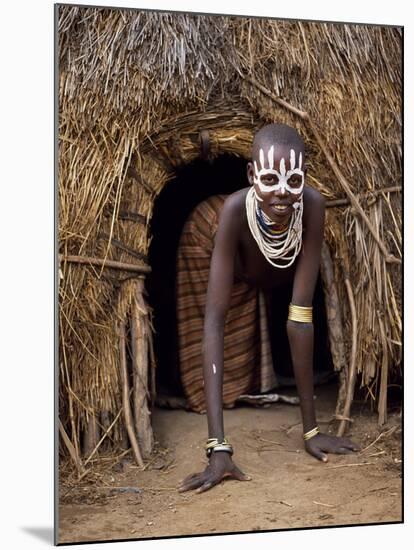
column 382, row 434
column 159, row 488
column 286, row 503
column 292, row 427
column 349, row 465
column 267, row 440
column 376, row 454
column 115, row 459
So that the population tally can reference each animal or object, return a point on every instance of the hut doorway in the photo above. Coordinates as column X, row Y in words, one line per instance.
column 193, row 183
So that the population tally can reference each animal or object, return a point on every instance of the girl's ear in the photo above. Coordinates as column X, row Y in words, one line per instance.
column 250, row 173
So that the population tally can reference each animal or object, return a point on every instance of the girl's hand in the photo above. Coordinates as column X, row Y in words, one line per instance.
column 321, row 443
column 220, row 466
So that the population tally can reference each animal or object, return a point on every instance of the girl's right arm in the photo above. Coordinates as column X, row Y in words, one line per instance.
column 218, row 299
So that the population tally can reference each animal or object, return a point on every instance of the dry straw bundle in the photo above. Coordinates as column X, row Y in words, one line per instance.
column 141, row 93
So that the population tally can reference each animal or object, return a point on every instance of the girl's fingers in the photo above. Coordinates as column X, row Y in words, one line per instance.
column 347, row 443
column 190, row 477
column 192, row 484
column 342, row 451
column 320, row 455
column 203, row 481
column 205, row 487
column 238, row 474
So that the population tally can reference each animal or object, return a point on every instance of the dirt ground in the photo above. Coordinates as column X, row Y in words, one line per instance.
column 289, row 488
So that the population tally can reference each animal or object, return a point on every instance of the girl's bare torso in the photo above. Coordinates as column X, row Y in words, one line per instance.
column 250, row 265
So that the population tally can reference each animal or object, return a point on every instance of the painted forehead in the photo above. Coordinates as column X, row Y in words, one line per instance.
column 279, row 150
column 273, row 158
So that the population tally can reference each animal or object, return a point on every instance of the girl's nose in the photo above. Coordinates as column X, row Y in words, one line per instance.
column 281, row 192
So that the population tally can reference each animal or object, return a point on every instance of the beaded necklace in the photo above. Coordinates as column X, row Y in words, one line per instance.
column 276, row 246
column 266, row 223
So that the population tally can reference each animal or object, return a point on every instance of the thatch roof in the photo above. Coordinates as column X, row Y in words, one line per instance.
column 135, row 90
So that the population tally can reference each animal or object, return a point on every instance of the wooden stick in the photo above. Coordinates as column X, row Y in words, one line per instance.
column 70, row 391
column 153, row 364
column 125, row 396
column 70, row 402
column 350, row 465
column 275, row 98
column 103, row 437
column 126, row 215
column 343, row 202
column 90, row 435
column 135, row 345
column 342, row 417
column 111, row 458
column 123, row 247
column 333, row 310
column 106, row 263
column 352, row 368
column 389, row 258
column 104, row 424
column 72, row 451
column 139, row 338
column 324, row 504
column 382, row 434
column 334, row 321
column 124, row 442
column 382, row 401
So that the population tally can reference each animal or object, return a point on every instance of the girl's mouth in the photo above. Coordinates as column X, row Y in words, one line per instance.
column 280, row 208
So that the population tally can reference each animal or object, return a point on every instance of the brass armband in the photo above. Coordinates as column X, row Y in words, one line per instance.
column 300, row 314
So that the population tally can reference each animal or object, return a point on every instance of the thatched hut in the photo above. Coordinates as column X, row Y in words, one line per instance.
column 143, row 94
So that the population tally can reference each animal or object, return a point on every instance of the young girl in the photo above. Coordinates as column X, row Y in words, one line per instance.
column 268, row 234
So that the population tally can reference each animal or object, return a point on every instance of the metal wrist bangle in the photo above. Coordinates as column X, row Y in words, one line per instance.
column 219, row 448
column 311, row 433
column 213, row 441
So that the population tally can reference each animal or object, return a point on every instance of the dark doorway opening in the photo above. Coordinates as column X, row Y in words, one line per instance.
column 192, row 184
column 322, row 359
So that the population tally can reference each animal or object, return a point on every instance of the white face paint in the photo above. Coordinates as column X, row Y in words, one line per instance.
column 282, row 175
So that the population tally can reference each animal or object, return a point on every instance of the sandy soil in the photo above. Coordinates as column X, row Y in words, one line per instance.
column 289, row 488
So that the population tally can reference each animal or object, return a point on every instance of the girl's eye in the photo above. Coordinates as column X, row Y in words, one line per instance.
column 295, row 181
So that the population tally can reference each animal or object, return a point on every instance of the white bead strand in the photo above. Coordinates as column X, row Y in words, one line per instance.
column 285, row 246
